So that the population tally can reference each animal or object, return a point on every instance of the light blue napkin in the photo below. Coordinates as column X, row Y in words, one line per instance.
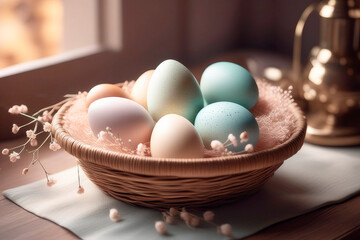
column 314, row 177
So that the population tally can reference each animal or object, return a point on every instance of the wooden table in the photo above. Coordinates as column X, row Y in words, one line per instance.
column 338, row 221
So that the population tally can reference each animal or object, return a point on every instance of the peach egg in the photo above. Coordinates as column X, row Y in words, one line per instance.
column 105, row 90
column 139, row 92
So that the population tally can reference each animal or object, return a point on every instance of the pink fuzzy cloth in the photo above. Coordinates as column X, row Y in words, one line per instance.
column 276, row 121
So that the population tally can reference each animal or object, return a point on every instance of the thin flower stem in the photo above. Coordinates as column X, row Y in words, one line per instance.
column 78, row 172
column 28, row 123
column 41, row 143
column 19, row 145
column 39, row 133
column 36, row 126
column 34, row 159
column 24, row 145
column 70, row 95
column 46, row 173
column 24, row 114
column 52, row 106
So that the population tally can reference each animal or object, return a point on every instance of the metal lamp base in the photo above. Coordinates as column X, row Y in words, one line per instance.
column 323, row 130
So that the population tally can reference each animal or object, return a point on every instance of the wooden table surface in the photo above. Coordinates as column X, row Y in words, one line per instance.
column 338, row 221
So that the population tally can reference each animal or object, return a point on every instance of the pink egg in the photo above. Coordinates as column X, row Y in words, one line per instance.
column 127, row 120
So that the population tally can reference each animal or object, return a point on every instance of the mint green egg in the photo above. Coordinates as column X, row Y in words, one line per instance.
column 173, row 89
column 217, row 120
column 226, row 81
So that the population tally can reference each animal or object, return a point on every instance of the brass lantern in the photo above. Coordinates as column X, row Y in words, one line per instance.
column 329, row 83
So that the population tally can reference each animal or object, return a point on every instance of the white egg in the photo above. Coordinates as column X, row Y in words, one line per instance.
column 175, row 137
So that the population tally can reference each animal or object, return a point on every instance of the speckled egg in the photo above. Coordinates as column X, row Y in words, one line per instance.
column 175, row 137
column 216, row 121
column 174, row 89
column 127, row 119
column 226, row 81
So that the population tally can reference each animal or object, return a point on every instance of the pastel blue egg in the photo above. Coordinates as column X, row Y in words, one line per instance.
column 226, row 81
column 217, row 120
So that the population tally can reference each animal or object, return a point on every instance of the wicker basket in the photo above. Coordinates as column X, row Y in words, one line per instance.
column 164, row 183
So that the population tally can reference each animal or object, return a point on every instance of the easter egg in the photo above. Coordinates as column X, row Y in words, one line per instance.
column 139, row 91
column 217, row 120
column 174, row 89
column 127, row 120
column 226, row 81
column 104, row 90
column 175, row 137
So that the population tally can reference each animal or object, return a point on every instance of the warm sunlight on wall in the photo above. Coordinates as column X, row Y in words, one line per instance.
column 29, row 29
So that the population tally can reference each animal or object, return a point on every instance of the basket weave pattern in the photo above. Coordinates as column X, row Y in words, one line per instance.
column 164, row 183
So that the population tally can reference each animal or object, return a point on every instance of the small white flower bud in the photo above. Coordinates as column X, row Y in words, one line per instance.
column 208, row 216
column 25, row 171
column 80, row 190
column 15, row 128
column 225, row 229
column 185, row 216
column 160, row 227
column 33, row 142
column 50, row 182
column 5, row 151
column 244, row 137
column 194, row 221
column 173, row 212
column 114, row 215
column 249, row 148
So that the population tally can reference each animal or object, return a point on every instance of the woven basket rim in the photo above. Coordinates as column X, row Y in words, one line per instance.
column 180, row 167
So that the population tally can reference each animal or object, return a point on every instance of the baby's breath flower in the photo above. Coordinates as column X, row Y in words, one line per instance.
column 185, row 216
column 5, row 151
column 140, row 150
column 225, row 230
column 208, row 216
column 46, row 116
column 80, row 190
column 114, row 215
column 194, row 221
column 54, row 146
column 160, row 227
column 249, row 148
column 15, row 128
column 244, row 137
column 217, row 146
column 23, row 108
column 232, row 139
column 14, row 156
column 40, row 119
column 15, row 109
column 50, row 182
column 30, row 134
column 173, row 212
column 47, row 127
column 169, row 219
column 33, row 142
column 25, row 171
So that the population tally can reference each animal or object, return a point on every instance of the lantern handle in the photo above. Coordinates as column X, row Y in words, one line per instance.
column 297, row 70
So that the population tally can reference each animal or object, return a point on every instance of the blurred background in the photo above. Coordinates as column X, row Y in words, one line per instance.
column 49, row 48
column 188, row 30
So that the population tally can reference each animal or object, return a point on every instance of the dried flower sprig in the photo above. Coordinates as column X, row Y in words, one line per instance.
column 220, row 149
column 192, row 220
column 114, row 142
column 43, row 118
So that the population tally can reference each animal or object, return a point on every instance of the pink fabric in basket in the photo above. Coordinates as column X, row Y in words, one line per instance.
column 275, row 120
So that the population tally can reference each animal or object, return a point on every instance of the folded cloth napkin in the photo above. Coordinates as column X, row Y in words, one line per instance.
column 314, row 177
